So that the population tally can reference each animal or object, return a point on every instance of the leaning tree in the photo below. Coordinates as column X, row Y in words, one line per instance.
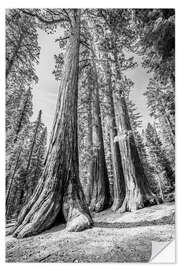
column 59, row 195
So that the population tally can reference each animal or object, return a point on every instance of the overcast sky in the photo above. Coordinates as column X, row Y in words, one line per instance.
column 45, row 92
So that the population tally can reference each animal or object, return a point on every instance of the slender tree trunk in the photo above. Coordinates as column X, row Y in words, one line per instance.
column 101, row 197
column 39, row 162
column 20, row 122
column 119, row 184
column 160, row 187
column 172, row 78
column 59, row 193
column 168, row 122
column 34, row 141
column 25, row 186
column 8, row 195
column 138, row 193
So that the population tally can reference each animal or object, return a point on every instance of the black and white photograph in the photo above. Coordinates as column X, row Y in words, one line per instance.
column 89, row 134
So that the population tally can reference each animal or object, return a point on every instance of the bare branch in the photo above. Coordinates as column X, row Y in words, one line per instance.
column 61, row 39
column 85, row 44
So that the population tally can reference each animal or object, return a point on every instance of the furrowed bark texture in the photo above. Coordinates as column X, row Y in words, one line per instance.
column 59, row 193
column 119, row 184
column 101, row 197
column 90, row 183
column 138, row 193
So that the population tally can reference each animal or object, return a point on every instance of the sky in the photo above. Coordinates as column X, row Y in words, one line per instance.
column 46, row 91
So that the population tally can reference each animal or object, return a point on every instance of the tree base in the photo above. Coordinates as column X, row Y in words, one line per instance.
column 116, row 205
column 98, row 206
column 79, row 222
column 131, row 205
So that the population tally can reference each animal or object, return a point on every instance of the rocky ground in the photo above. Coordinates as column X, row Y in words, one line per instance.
column 115, row 237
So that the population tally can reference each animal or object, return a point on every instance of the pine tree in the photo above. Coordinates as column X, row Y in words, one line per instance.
column 11, row 182
column 33, row 140
column 37, row 161
column 160, row 100
column 156, row 29
column 26, row 168
column 22, row 50
column 158, row 157
column 22, row 53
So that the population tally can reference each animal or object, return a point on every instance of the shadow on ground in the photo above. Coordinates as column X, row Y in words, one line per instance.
column 164, row 220
column 115, row 237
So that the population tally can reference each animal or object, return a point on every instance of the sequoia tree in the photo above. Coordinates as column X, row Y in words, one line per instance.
column 120, row 35
column 119, row 185
column 101, row 197
column 90, row 174
column 59, row 194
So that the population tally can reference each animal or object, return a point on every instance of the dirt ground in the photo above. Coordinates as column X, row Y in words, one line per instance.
column 115, row 237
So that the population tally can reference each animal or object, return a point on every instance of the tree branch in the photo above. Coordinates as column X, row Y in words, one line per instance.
column 85, row 44
column 42, row 19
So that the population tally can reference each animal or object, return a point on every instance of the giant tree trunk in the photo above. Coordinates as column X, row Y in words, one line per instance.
column 101, row 197
column 59, row 193
column 90, row 177
column 138, row 193
column 119, row 185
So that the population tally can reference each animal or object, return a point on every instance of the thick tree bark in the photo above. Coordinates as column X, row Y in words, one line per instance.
column 119, row 184
column 138, row 193
column 59, row 193
column 90, row 183
column 101, row 197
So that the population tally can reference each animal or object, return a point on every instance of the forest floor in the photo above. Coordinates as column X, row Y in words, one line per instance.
column 115, row 237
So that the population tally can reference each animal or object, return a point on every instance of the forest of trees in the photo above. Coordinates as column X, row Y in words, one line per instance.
column 98, row 155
